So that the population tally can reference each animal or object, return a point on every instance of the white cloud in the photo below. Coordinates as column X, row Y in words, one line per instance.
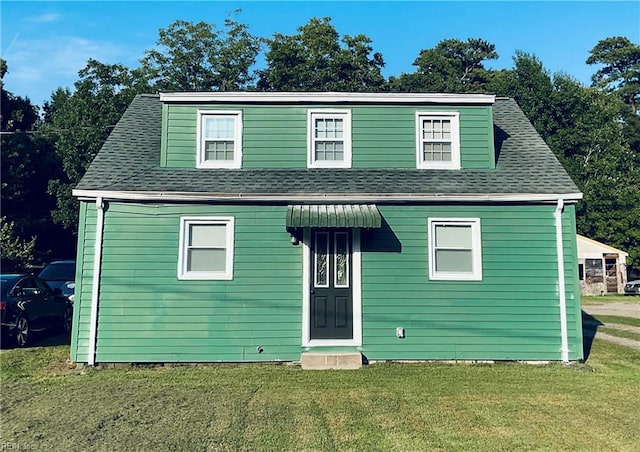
column 38, row 66
column 45, row 18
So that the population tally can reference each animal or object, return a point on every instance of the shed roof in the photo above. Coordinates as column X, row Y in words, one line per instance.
column 589, row 248
column 128, row 167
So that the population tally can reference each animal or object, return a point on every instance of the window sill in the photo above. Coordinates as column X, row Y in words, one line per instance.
column 219, row 165
column 455, row 277
column 205, row 277
column 448, row 166
column 345, row 165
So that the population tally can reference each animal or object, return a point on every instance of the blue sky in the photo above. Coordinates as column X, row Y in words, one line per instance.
column 46, row 43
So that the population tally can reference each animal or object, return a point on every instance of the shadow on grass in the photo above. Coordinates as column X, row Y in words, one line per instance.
column 589, row 328
column 40, row 339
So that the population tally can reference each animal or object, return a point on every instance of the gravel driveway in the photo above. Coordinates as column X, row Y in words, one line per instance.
column 620, row 309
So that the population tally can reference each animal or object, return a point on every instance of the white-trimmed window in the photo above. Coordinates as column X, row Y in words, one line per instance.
column 329, row 138
column 455, row 249
column 219, row 139
column 206, row 248
column 438, row 140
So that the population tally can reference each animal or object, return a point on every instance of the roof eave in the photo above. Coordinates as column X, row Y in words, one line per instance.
column 325, row 197
column 327, row 97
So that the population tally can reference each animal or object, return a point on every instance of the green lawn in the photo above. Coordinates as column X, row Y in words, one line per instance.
column 604, row 299
column 617, row 319
column 620, row 333
column 426, row 406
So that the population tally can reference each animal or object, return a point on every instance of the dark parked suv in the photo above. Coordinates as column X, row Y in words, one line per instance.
column 61, row 275
column 28, row 305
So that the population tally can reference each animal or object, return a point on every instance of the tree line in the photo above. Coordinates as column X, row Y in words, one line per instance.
column 593, row 130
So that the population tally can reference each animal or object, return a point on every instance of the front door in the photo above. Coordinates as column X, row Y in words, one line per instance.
column 331, row 291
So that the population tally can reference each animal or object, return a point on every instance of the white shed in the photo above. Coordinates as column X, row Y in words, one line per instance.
column 602, row 268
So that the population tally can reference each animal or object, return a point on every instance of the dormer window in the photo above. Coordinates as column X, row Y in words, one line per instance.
column 438, row 140
column 329, row 139
column 219, row 139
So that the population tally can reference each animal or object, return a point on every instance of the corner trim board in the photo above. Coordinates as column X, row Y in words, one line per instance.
column 95, row 286
column 564, row 347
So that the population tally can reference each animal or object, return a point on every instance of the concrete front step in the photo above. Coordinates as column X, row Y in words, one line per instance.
column 331, row 360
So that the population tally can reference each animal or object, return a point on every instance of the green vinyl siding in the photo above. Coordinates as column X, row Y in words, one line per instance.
column 84, row 280
column 146, row 314
column 512, row 313
column 275, row 136
column 570, row 245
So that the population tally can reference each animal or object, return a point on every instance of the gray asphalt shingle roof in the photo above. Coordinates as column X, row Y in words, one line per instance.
column 130, row 162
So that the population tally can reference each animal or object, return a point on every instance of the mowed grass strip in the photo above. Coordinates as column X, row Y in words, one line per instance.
column 620, row 333
column 604, row 299
column 422, row 406
column 631, row 321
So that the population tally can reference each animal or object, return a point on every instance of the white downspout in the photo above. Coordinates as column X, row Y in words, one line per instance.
column 95, row 287
column 564, row 349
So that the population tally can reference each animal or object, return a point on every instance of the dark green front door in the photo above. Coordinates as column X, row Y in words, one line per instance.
column 331, row 292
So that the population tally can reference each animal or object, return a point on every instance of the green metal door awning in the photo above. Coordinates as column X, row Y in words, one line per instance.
column 333, row 216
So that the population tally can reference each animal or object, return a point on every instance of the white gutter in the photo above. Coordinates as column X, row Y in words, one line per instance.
column 95, row 288
column 327, row 97
column 564, row 347
column 310, row 197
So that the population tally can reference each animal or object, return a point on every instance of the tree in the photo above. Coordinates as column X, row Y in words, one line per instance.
column 18, row 118
column 317, row 59
column 621, row 71
column 190, row 57
column 452, row 66
column 81, row 121
column 620, row 75
column 584, row 128
column 197, row 57
column 28, row 161
column 17, row 253
column 531, row 85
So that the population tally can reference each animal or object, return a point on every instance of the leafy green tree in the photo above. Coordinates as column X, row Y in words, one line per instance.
column 584, row 129
column 197, row 57
column 79, row 122
column 18, row 118
column 589, row 139
column 28, row 161
column 531, row 85
column 452, row 66
column 17, row 253
column 317, row 59
column 620, row 74
column 621, row 68
column 189, row 57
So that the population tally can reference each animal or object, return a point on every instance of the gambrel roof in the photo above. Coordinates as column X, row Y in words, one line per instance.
column 128, row 166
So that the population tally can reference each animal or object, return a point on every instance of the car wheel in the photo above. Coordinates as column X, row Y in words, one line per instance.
column 67, row 320
column 22, row 331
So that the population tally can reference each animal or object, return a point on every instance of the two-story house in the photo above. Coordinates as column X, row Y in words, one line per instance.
column 262, row 226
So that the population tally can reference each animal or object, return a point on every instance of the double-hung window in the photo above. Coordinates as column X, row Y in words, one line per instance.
column 438, row 140
column 455, row 249
column 329, row 138
column 206, row 248
column 219, row 139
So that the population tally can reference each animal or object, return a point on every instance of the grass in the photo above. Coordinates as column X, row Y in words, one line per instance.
column 620, row 333
column 604, row 299
column 618, row 319
column 428, row 406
